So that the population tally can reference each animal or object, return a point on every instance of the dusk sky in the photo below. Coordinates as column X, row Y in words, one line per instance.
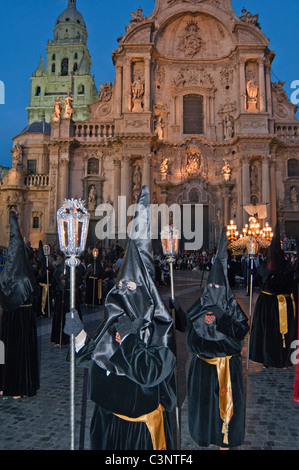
column 27, row 25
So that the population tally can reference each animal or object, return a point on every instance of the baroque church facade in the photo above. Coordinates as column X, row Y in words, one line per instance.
column 192, row 113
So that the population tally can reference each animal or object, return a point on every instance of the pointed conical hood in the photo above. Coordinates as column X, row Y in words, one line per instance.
column 217, row 294
column 144, row 302
column 138, row 259
column 276, row 253
column 17, row 281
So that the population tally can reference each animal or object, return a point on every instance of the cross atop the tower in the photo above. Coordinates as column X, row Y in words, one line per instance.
column 72, row 3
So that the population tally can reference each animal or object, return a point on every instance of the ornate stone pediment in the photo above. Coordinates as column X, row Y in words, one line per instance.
column 194, row 36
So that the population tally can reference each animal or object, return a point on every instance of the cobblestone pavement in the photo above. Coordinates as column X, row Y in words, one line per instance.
column 42, row 422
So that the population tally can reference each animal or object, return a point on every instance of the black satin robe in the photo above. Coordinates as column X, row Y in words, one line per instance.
column 148, row 381
column 220, row 339
column 266, row 344
column 20, row 374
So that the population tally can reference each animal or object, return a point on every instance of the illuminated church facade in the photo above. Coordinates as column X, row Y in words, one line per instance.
column 192, row 113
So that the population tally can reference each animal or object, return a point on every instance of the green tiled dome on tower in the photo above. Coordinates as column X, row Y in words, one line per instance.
column 67, row 69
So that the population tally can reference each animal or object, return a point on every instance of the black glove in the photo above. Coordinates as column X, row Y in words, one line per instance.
column 125, row 326
column 173, row 303
column 73, row 326
column 181, row 319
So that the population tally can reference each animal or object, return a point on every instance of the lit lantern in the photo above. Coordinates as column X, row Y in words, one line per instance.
column 73, row 223
column 252, row 246
column 170, row 242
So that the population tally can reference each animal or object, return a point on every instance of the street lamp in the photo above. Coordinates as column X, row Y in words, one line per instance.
column 47, row 251
column 170, row 246
column 252, row 248
column 72, row 224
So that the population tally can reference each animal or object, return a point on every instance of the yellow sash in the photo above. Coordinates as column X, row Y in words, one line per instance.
column 225, row 391
column 155, row 424
column 283, row 313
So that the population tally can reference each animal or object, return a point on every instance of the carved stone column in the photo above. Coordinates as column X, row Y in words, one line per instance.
column 64, row 178
column 125, row 178
column 127, row 86
column 118, row 90
column 242, row 85
column 262, row 85
column 269, row 89
column 117, row 186
column 265, row 180
column 147, row 85
column 246, row 184
column 226, row 212
column 146, row 171
column 53, row 196
column 273, row 194
column 125, row 193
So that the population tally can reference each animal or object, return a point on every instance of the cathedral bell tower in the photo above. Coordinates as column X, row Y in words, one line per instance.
column 67, row 70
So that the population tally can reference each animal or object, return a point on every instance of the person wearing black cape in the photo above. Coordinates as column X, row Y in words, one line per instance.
column 216, row 327
column 131, row 359
column 19, row 376
column 274, row 324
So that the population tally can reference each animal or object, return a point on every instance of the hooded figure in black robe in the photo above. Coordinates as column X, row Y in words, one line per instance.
column 274, row 324
column 19, row 376
column 216, row 328
column 131, row 358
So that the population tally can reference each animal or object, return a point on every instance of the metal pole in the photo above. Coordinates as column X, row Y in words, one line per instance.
column 48, row 289
column 177, row 408
column 94, row 282
column 250, row 307
column 72, row 263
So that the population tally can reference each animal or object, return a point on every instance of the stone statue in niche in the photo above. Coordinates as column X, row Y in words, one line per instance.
column 137, row 178
column 252, row 92
column 293, row 196
column 92, row 198
column 159, row 117
column 226, row 170
column 228, row 128
column 137, row 94
column 164, row 168
column 57, row 110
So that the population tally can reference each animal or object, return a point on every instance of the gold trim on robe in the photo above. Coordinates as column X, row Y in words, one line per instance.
column 225, row 391
column 155, row 425
column 283, row 313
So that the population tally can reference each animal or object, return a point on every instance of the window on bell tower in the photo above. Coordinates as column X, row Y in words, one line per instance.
column 65, row 67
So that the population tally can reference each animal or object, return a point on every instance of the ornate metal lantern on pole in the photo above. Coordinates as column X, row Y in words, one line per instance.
column 95, row 254
column 72, row 224
column 170, row 245
column 47, row 252
column 252, row 248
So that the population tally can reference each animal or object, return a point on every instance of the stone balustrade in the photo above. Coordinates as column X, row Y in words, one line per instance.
column 94, row 132
column 287, row 131
column 39, row 181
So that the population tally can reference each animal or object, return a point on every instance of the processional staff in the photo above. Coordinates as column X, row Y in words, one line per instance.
column 72, row 223
column 170, row 243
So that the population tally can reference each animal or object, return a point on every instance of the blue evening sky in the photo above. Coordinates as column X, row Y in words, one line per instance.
column 27, row 25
